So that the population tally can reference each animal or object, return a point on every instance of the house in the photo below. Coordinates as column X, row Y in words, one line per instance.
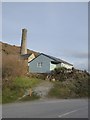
column 44, row 64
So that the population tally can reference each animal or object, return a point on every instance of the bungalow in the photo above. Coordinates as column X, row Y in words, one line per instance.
column 44, row 64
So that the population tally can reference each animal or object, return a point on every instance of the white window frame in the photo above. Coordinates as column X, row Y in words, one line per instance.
column 39, row 64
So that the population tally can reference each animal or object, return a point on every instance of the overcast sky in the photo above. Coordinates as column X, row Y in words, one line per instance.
column 57, row 29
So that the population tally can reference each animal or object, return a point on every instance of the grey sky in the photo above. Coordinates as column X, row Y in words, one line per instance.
column 58, row 29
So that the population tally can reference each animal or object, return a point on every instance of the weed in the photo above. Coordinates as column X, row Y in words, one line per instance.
column 17, row 88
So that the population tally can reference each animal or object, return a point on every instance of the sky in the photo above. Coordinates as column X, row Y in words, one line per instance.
column 59, row 29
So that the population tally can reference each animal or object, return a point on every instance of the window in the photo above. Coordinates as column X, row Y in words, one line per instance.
column 39, row 64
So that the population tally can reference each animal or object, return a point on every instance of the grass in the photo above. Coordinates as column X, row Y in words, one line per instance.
column 25, row 82
column 29, row 98
column 0, row 98
column 69, row 89
column 59, row 91
column 17, row 89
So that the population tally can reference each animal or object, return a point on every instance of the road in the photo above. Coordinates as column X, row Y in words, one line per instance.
column 74, row 108
column 0, row 111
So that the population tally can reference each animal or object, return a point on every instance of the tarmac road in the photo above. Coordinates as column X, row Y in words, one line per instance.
column 71, row 108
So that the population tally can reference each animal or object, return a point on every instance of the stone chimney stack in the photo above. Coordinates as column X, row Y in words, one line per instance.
column 23, row 49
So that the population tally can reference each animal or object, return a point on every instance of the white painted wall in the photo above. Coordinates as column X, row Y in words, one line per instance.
column 66, row 66
column 58, row 65
column 52, row 66
column 32, row 56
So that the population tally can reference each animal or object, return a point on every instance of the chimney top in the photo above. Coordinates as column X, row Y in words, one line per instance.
column 24, row 29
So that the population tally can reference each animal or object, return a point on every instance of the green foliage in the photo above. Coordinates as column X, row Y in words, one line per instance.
column 0, row 98
column 9, row 95
column 25, row 82
column 70, row 89
column 59, row 73
column 81, row 87
column 12, row 91
column 59, row 91
column 60, row 70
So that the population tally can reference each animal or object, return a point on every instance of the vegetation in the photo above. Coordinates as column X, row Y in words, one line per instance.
column 12, row 67
column 16, row 88
column 8, row 49
column 0, row 98
column 74, row 85
column 15, row 80
column 28, row 98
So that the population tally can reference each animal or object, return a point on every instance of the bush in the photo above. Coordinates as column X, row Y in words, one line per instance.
column 13, row 66
column 80, row 87
column 59, row 74
column 17, row 87
column 70, row 88
column 60, row 70
column 59, row 91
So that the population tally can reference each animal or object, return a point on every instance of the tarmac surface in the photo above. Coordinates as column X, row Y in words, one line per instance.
column 44, row 108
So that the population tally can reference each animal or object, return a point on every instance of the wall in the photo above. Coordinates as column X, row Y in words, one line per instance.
column 31, row 57
column 58, row 65
column 52, row 66
column 66, row 66
column 45, row 64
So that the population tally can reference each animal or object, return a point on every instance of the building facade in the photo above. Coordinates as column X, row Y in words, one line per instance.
column 44, row 64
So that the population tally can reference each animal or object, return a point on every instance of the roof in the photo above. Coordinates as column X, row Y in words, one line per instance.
column 25, row 56
column 57, row 60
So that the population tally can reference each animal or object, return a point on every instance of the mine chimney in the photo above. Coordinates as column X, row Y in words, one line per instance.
column 23, row 49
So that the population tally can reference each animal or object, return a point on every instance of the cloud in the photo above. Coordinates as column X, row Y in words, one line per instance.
column 77, row 55
column 81, row 64
column 79, row 59
column 80, row 55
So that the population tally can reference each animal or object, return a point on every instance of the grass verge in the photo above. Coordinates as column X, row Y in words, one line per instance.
column 29, row 98
column 0, row 99
column 17, row 88
column 70, row 89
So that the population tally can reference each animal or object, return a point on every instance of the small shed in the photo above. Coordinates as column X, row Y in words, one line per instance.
column 44, row 64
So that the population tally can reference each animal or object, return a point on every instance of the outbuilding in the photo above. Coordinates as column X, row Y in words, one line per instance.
column 44, row 64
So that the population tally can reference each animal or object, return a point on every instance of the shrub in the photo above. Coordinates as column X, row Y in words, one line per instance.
column 60, row 70
column 11, row 92
column 59, row 91
column 70, row 88
column 80, row 87
column 59, row 74
column 13, row 66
